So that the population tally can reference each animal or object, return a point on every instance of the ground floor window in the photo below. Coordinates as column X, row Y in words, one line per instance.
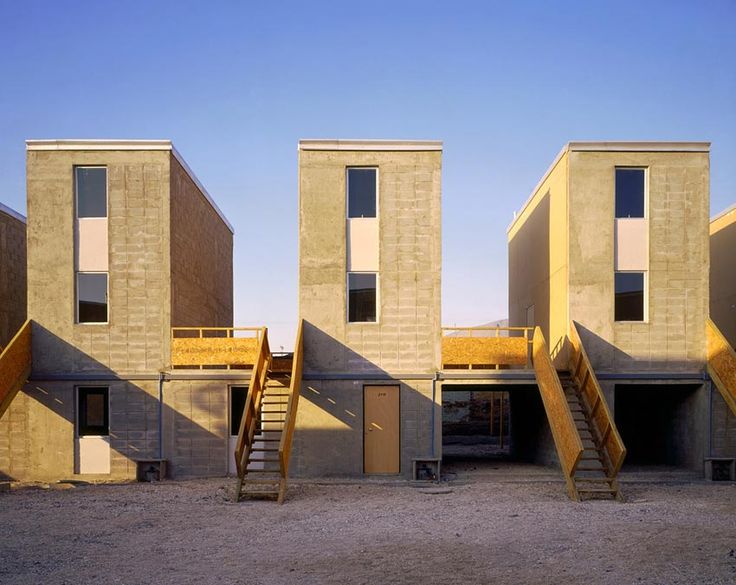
column 93, row 411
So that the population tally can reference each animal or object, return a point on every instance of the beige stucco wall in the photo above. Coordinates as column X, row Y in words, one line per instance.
column 723, row 274
column 12, row 276
column 673, row 338
column 538, row 258
column 407, row 334
column 136, row 339
column 201, row 257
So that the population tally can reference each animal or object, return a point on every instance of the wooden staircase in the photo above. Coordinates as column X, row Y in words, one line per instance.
column 267, row 427
column 593, row 477
column 721, row 364
column 15, row 366
column 588, row 445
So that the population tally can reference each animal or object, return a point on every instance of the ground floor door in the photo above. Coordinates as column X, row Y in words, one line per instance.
column 238, row 395
column 93, row 430
column 381, row 430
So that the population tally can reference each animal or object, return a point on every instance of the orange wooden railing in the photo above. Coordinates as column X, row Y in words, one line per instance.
column 15, row 365
column 721, row 363
column 291, row 409
column 582, row 372
column 214, row 347
column 251, row 412
column 485, row 347
column 564, row 432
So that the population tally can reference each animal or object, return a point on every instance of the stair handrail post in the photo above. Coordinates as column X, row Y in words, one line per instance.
column 293, row 402
column 603, row 420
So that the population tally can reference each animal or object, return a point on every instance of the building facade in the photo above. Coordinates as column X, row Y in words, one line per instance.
column 124, row 244
column 369, row 294
column 615, row 238
column 12, row 273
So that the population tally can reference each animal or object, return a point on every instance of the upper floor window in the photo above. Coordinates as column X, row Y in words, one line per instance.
column 630, row 192
column 362, row 297
column 91, row 186
column 629, row 296
column 362, row 192
column 92, row 297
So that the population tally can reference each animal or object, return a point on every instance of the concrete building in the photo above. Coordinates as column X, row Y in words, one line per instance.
column 369, row 295
column 124, row 244
column 12, row 273
column 615, row 238
column 723, row 273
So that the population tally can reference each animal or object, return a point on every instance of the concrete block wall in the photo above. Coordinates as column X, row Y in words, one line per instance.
column 406, row 337
column 329, row 429
column 673, row 337
column 12, row 274
column 137, row 337
column 201, row 257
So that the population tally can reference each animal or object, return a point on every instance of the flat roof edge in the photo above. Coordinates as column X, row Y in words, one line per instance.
column 369, row 145
column 724, row 213
column 12, row 213
column 95, row 144
column 125, row 144
column 637, row 146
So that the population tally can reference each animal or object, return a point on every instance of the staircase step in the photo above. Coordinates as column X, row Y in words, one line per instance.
column 262, row 481
column 597, row 491
column 263, row 450
column 594, row 479
column 273, row 471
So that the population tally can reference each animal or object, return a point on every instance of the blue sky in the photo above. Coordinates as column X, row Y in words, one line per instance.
column 236, row 84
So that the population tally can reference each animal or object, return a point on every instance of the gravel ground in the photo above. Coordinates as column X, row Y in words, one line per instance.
column 469, row 530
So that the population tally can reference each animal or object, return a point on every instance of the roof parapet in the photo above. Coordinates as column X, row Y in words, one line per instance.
column 12, row 213
column 369, row 145
column 124, row 144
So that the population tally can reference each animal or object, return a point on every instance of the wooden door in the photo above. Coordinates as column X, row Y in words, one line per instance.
column 381, row 434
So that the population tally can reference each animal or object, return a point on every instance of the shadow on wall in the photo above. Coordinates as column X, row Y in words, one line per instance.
column 37, row 433
column 329, row 436
column 605, row 356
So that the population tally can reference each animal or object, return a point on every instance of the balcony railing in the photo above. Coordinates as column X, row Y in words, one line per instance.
column 477, row 348
column 215, row 347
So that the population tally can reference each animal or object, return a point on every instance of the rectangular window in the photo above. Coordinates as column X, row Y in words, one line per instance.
column 91, row 297
column 93, row 416
column 630, row 192
column 629, row 291
column 362, row 192
column 91, row 183
column 362, row 297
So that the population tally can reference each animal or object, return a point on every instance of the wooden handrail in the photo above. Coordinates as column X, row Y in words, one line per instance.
column 582, row 370
column 721, row 363
column 294, row 389
column 15, row 365
column 252, row 407
column 564, row 432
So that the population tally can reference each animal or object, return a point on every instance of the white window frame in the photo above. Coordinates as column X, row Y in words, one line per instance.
column 76, row 191
column 645, row 282
column 347, row 299
column 347, row 189
column 76, row 299
column 646, row 189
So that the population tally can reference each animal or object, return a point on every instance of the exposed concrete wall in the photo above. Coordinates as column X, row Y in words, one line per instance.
column 406, row 337
column 37, row 433
column 538, row 258
column 673, row 338
column 137, row 337
column 329, row 429
column 723, row 274
column 201, row 257
column 12, row 276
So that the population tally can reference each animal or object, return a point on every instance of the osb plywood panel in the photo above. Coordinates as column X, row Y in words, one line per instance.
column 567, row 440
column 15, row 365
column 227, row 351
column 721, row 364
column 484, row 350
